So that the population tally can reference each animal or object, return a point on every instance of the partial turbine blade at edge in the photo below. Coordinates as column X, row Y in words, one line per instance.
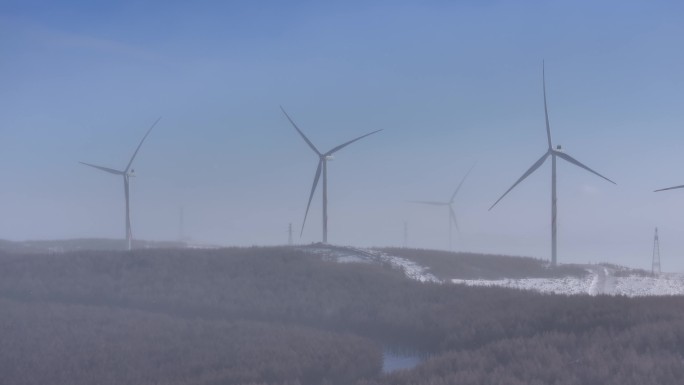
column 313, row 190
column 452, row 215
column 461, row 184
column 546, row 111
column 300, row 132
column 577, row 163
column 341, row 146
column 670, row 188
column 106, row 169
column 130, row 162
column 527, row 173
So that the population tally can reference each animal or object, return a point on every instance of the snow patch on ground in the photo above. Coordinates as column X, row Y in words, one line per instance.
column 600, row 279
column 356, row 255
column 564, row 285
column 337, row 255
column 638, row 286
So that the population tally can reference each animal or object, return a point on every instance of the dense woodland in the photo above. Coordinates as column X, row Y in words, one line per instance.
column 282, row 316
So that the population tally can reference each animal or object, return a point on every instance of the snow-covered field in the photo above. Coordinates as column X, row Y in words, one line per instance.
column 598, row 280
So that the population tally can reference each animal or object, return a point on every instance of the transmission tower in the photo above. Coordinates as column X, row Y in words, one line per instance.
column 655, row 266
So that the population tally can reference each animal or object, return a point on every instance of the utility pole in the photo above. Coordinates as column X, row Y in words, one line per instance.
column 655, row 265
column 289, row 231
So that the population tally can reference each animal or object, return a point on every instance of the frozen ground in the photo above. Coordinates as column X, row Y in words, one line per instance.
column 600, row 279
column 351, row 254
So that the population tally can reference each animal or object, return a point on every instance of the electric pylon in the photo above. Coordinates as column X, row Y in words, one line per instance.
column 655, row 265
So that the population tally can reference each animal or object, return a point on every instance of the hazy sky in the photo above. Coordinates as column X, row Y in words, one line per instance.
column 451, row 83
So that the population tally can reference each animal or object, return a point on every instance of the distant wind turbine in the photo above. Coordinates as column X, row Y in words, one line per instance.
column 126, row 174
column 449, row 205
column 323, row 159
column 553, row 153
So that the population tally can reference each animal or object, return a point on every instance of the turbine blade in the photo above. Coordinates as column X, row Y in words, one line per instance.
column 343, row 145
column 107, row 169
column 452, row 215
column 546, row 112
column 577, row 163
column 431, row 203
column 313, row 190
column 128, row 167
column 670, row 188
column 300, row 132
column 527, row 173
column 461, row 184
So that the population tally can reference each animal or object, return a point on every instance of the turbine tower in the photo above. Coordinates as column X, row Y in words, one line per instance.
column 553, row 153
column 449, row 206
column 323, row 159
column 126, row 174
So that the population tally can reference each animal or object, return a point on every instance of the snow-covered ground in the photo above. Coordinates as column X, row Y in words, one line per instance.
column 350, row 254
column 599, row 279
column 664, row 284
column 564, row 285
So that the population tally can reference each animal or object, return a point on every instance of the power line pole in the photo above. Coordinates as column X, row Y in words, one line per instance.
column 289, row 231
column 655, row 265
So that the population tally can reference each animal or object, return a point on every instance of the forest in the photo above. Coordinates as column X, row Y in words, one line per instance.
column 278, row 315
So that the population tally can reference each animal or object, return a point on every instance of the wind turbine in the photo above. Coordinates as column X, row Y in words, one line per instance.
column 553, row 153
column 449, row 205
column 323, row 159
column 126, row 174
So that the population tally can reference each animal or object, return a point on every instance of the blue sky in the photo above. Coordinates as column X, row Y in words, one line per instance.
column 451, row 83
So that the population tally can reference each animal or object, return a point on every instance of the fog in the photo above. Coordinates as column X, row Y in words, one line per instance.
column 449, row 84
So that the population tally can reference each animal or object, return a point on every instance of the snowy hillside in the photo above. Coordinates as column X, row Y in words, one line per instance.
column 599, row 279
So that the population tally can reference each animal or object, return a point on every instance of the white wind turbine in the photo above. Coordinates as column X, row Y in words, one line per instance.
column 553, row 153
column 126, row 174
column 323, row 159
column 449, row 206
